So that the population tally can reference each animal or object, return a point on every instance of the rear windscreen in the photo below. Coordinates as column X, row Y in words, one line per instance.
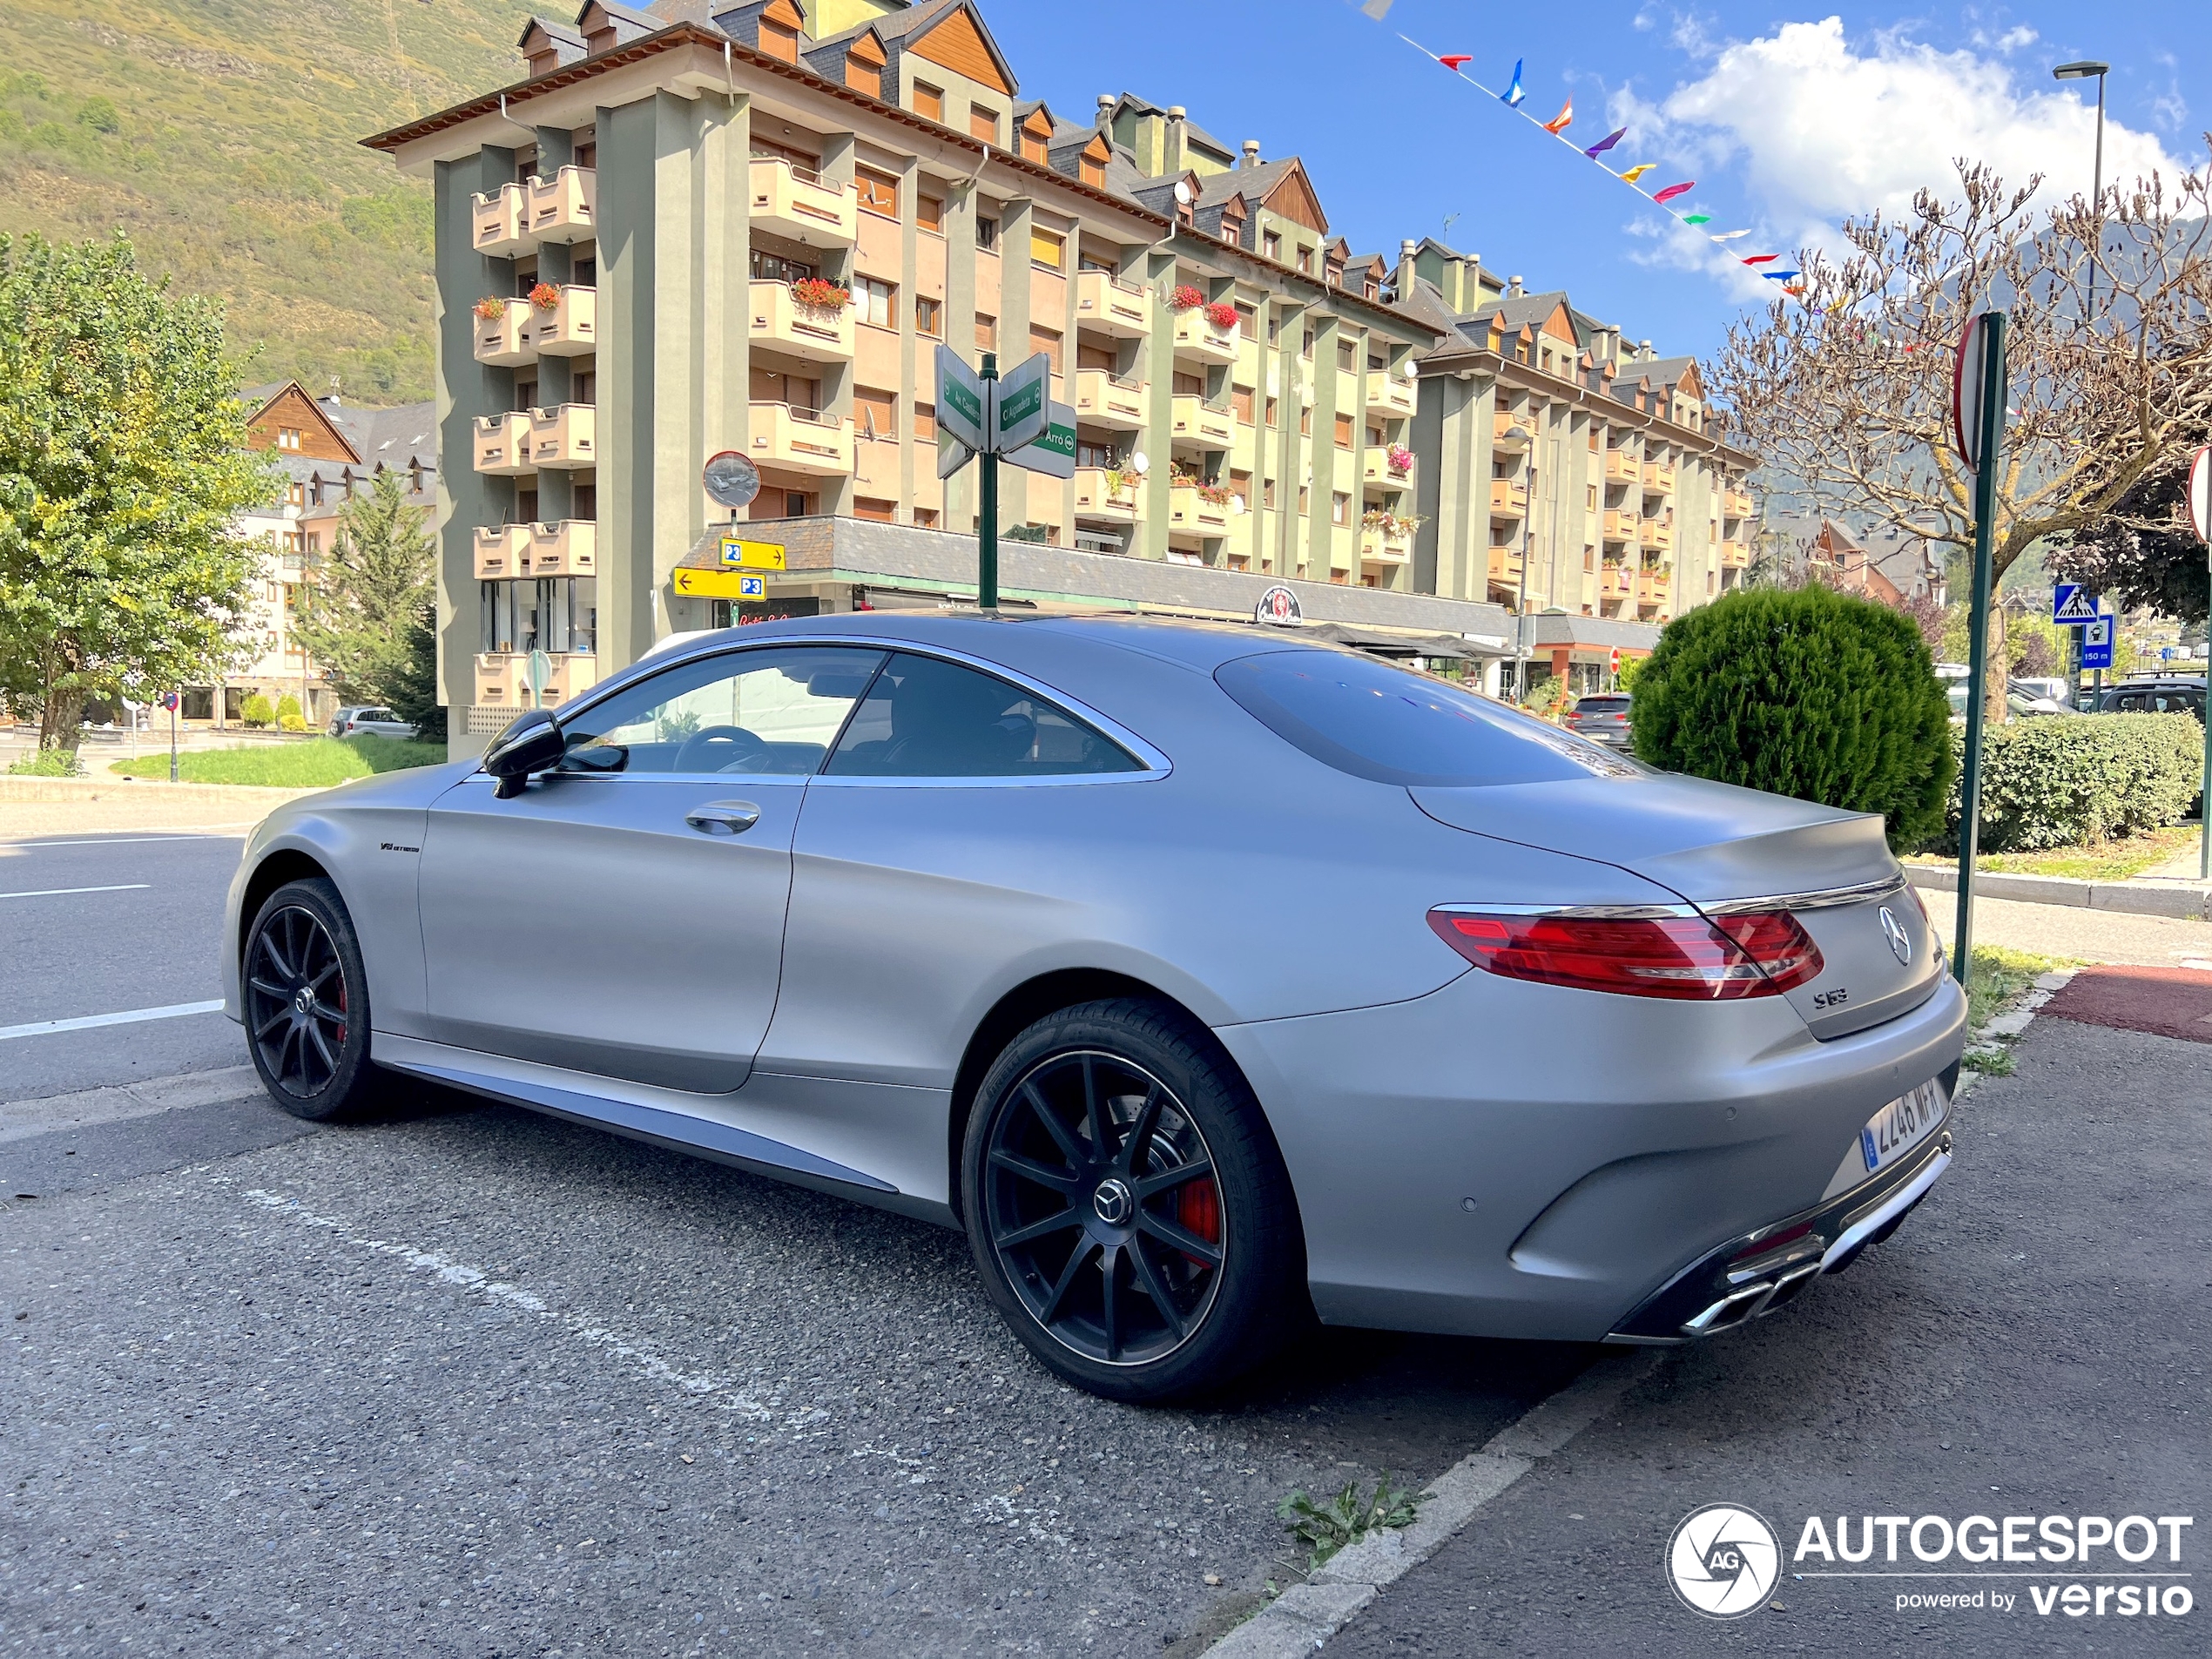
column 1394, row 726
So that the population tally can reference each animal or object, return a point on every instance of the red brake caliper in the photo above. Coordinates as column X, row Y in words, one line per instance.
column 1197, row 1210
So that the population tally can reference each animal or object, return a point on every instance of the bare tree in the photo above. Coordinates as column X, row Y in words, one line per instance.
column 1845, row 383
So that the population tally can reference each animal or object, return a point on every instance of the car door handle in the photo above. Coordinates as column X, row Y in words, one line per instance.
column 723, row 817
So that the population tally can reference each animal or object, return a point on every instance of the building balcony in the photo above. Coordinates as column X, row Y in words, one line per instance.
column 1736, row 556
column 1190, row 513
column 1388, row 395
column 1194, row 423
column 1615, row 581
column 1736, row 503
column 1114, row 500
column 501, row 222
column 568, row 547
column 801, row 441
column 1653, row 536
column 799, row 203
column 1620, row 526
column 571, row 327
column 1513, row 432
column 1650, row 588
column 504, row 340
column 1505, row 566
column 1658, row 479
column 1205, row 341
column 1621, row 467
column 819, row 334
column 1385, row 546
column 565, row 438
column 1103, row 302
column 1378, row 471
column 1101, row 399
column 1508, row 499
column 503, row 678
column 502, row 444
column 561, row 206
column 502, row 551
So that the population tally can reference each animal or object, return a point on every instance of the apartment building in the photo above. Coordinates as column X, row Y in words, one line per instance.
column 1569, row 473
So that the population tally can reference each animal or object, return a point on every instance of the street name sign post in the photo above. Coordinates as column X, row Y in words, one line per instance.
column 983, row 417
column 1053, row 455
column 2201, row 517
column 1977, row 392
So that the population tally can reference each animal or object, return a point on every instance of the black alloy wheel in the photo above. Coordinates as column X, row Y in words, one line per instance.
column 1101, row 1203
column 1128, row 1206
column 304, row 995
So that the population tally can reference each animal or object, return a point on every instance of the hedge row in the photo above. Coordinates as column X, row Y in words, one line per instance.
column 2060, row 782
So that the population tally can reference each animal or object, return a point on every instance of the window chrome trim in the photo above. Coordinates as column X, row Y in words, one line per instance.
column 1577, row 912
column 1826, row 898
column 1155, row 765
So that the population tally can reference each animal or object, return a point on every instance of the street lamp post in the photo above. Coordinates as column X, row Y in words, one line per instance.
column 2083, row 71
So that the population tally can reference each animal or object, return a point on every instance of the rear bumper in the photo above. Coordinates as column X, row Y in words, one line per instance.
column 1507, row 1159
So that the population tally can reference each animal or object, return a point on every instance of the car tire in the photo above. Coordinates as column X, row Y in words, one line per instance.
column 312, row 1055
column 1128, row 1206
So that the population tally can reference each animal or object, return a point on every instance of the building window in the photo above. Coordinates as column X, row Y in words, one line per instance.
column 1305, row 423
column 774, row 268
column 287, row 437
column 1267, row 494
column 876, row 512
column 1343, row 432
column 982, row 123
column 987, row 234
column 1182, row 383
column 1047, row 250
column 926, row 423
column 875, row 415
column 862, row 76
column 879, row 191
column 986, row 332
column 929, row 101
column 873, row 301
column 1273, row 413
column 929, row 213
column 925, row 518
column 1240, row 486
column 1270, row 245
column 1048, row 341
column 1247, row 320
column 929, row 317
column 1307, row 350
column 1339, row 508
column 1305, row 260
column 1347, row 356
column 1305, row 498
column 1240, row 403
column 1091, row 173
column 1594, row 498
column 1274, row 331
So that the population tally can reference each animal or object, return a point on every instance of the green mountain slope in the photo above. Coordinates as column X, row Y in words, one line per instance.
column 223, row 137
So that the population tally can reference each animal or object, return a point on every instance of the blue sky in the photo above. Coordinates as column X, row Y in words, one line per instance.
column 1787, row 118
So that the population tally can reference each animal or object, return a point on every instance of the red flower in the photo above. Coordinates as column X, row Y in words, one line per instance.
column 546, row 297
column 1185, row 297
column 1222, row 314
column 820, row 293
column 490, row 308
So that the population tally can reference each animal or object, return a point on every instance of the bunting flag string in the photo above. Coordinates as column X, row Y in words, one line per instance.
column 1455, row 63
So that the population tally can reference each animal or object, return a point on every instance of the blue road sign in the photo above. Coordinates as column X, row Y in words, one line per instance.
column 2070, row 606
column 2096, row 642
column 752, row 587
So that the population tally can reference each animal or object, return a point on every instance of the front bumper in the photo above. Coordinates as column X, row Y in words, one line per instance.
column 1751, row 1276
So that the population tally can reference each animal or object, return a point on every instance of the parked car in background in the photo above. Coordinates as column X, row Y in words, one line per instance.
column 2020, row 705
column 2051, row 688
column 2167, row 694
column 1602, row 717
column 374, row 722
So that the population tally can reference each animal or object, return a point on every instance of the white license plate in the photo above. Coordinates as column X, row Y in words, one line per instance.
column 1891, row 1134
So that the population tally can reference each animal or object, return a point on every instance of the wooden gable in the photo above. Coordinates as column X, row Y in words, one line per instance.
column 958, row 43
column 1035, row 137
column 1090, row 166
column 780, row 27
column 1689, row 385
column 864, row 61
column 1294, row 198
column 541, row 49
column 1560, row 326
column 293, row 423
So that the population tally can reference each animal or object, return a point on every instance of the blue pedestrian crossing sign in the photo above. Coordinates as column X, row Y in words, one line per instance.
column 2096, row 642
column 2070, row 606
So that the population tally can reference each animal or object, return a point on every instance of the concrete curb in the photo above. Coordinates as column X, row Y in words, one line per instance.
column 2006, row 1027
column 250, row 797
column 2189, row 900
column 1306, row 1616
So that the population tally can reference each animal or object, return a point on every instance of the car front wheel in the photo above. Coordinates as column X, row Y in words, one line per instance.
column 304, row 995
column 1128, row 1206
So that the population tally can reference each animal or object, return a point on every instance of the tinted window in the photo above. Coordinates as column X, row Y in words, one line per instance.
column 1394, row 726
column 1601, row 705
column 927, row 718
column 762, row 712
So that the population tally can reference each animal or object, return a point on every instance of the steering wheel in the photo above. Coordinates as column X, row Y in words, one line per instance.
column 720, row 748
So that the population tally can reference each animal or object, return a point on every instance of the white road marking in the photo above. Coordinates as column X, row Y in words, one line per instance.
column 88, row 1021
column 23, row 1118
column 63, row 892
column 720, row 1391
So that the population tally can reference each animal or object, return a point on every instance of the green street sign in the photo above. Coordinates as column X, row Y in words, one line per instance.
column 1053, row 455
column 962, row 404
column 1019, row 405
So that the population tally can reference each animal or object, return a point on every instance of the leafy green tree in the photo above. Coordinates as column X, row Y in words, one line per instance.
column 123, row 464
column 256, row 710
column 414, row 695
column 1805, row 693
column 360, row 601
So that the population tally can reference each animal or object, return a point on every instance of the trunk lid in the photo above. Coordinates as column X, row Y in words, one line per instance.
column 1721, row 848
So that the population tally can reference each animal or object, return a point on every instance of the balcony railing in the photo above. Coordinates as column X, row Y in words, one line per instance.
column 1621, row 467
column 1508, row 499
column 571, row 327
column 503, row 678
column 504, row 340
column 1377, row 468
column 1194, row 422
column 1736, row 555
column 1620, row 526
column 565, row 437
column 801, row 440
column 1190, row 513
column 564, row 547
column 1657, row 479
column 502, row 551
column 799, row 203
column 1118, row 499
column 1505, row 564
column 1513, row 432
column 820, row 334
column 561, row 207
column 1649, row 588
column 501, row 222
column 1385, row 546
column 502, row 444
column 1103, row 302
column 1615, row 582
column 1196, row 336
column 1101, row 399
column 1736, row 503
column 1652, row 534
column 1388, row 395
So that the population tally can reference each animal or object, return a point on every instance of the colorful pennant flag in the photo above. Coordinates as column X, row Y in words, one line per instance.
column 1456, row 61
column 1697, row 219
column 1728, row 236
column 1637, row 172
column 1673, row 191
column 1563, row 120
column 1513, row 93
column 1781, row 276
column 1605, row 142
column 1763, row 259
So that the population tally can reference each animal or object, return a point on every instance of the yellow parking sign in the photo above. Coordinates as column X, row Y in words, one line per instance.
column 737, row 554
column 718, row 585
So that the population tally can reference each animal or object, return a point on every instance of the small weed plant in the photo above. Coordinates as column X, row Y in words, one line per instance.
column 1323, row 1529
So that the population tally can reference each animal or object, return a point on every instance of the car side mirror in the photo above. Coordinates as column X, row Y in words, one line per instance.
column 532, row 742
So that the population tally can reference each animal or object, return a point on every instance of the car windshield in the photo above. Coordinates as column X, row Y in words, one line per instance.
column 1393, row 726
column 1606, row 704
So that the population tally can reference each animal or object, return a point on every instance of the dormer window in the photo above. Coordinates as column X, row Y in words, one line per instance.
column 779, row 27
column 864, row 61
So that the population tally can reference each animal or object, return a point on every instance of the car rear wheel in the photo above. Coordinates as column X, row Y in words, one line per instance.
column 1128, row 1206
column 304, row 995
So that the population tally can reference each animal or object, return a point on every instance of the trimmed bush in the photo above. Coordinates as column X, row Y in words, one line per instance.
column 287, row 708
column 1804, row 692
column 2060, row 782
column 257, row 712
column 45, row 763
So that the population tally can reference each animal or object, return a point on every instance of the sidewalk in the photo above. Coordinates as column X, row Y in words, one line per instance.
column 34, row 807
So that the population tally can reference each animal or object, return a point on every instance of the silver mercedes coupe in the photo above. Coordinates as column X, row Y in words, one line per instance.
column 1210, row 980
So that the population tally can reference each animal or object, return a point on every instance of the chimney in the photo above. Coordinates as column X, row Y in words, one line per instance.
column 1252, row 152
column 1406, row 250
column 1644, row 353
column 1171, row 143
column 1106, row 113
column 1513, row 287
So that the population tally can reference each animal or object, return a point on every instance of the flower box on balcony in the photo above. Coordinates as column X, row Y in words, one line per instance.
column 566, row 320
column 504, row 332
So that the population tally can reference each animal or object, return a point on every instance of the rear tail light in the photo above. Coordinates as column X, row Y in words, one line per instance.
column 1683, row 958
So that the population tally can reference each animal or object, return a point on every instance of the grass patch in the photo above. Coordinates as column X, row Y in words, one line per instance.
column 2113, row 861
column 1322, row 1529
column 320, row 764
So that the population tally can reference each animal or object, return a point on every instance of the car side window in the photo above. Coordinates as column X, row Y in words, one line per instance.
column 772, row 711
column 928, row 718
